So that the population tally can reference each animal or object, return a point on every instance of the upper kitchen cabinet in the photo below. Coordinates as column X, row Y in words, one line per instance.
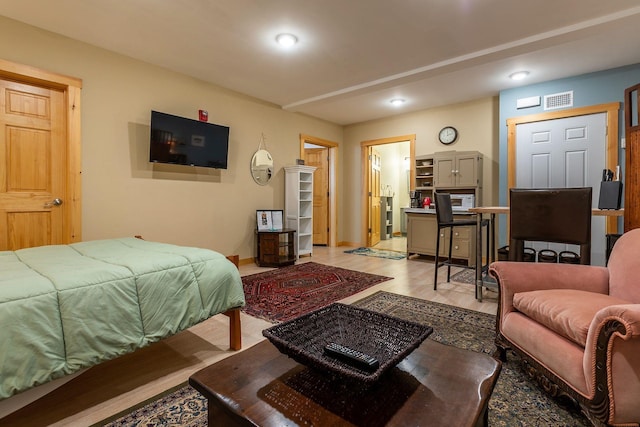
column 454, row 169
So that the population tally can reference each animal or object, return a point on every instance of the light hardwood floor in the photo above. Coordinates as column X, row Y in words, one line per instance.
column 114, row 386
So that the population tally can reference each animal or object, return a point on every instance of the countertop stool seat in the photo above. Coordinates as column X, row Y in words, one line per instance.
column 444, row 217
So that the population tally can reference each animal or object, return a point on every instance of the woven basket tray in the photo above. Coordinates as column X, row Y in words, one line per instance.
column 386, row 338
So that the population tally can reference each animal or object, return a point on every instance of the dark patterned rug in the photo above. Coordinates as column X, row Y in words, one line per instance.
column 516, row 400
column 287, row 292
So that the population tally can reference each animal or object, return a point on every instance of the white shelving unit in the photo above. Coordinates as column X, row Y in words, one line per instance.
column 298, row 208
column 386, row 217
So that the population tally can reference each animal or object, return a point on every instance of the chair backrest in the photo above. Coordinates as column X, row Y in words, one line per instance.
column 624, row 267
column 444, row 211
column 556, row 215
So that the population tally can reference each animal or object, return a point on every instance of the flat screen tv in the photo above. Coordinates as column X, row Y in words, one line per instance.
column 181, row 141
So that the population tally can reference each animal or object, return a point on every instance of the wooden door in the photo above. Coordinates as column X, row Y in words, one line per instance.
column 374, row 199
column 33, row 157
column 319, row 157
column 632, row 158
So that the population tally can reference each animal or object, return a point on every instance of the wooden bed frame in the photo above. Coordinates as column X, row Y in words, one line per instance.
column 235, row 329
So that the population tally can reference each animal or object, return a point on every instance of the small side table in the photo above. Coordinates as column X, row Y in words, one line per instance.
column 275, row 248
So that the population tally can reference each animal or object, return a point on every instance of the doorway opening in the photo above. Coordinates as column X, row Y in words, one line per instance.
column 387, row 180
column 323, row 154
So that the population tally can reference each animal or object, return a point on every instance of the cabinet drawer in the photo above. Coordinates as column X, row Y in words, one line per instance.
column 458, row 233
column 460, row 248
column 461, row 233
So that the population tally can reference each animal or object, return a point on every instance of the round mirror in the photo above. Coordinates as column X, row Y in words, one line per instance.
column 261, row 167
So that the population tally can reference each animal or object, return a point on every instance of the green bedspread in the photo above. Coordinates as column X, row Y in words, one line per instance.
column 67, row 307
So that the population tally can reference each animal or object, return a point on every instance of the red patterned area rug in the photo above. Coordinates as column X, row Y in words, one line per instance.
column 288, row 292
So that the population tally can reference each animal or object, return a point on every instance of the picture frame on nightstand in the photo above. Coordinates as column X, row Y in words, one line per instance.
column 269, row 220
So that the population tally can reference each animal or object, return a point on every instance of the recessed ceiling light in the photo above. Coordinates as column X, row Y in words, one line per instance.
column 396, row 102
column 519, row 75
column 286, row 39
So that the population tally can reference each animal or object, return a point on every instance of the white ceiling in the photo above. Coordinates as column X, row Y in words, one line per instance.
column 353, row 56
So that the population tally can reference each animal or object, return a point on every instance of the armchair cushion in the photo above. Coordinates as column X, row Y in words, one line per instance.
column 567, row 312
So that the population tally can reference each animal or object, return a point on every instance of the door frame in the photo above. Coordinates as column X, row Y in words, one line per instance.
column 365, row 163
column 612, row 110
column 333, row 182
column 71, row 88
column 632, row 163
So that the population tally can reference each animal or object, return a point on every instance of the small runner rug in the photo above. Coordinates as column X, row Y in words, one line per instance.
column 376, row 253
column 467, row 275
column 516, row 399
column 287, row 292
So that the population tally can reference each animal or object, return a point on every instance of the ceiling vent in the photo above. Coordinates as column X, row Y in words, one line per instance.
column 558, row 100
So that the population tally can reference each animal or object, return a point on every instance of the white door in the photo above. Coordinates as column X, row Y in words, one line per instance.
column 568, row 152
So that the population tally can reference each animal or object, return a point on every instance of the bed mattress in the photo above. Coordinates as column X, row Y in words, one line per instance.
column 68, row 307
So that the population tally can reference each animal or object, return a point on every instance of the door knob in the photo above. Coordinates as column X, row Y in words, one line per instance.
column 54, row 202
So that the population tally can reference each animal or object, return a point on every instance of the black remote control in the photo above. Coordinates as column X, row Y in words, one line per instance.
column 351, row 356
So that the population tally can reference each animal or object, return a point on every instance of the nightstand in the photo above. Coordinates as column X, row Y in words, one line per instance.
column 276, row 248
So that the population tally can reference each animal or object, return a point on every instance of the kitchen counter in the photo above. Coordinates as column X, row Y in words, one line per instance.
column 433, row 211
column 420, row 211
column 422, row 234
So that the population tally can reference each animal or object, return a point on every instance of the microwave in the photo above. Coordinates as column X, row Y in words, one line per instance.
column 462, row 202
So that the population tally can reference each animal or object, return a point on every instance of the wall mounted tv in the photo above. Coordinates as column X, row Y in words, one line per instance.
column 181, row 141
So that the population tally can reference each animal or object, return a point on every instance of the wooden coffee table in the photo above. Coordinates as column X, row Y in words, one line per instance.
column 435, row 385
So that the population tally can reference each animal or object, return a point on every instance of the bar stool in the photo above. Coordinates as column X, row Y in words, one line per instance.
column 444, row 217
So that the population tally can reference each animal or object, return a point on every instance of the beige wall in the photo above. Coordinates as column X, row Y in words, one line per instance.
column 476, row 122
column 123, row 194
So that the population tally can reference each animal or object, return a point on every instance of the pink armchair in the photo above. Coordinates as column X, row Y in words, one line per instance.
column 578, row 329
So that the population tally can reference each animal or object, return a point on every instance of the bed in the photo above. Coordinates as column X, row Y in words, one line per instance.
column 67, row 307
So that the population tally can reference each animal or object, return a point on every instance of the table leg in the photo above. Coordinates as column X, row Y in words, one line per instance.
column 479, row 257
column 493, row 237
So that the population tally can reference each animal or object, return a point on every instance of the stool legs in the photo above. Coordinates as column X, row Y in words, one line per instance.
column 479, row 267
column 450, row 253
column 437, row 260
column 435, row 275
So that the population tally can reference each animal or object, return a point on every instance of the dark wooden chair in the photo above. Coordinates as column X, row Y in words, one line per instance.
column 554, row 215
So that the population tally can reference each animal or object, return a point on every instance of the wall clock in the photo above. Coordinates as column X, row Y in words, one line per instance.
column 448, row 135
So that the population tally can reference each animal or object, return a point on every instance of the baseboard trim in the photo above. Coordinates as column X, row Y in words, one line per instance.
column 246, row 261
column 351, row 244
